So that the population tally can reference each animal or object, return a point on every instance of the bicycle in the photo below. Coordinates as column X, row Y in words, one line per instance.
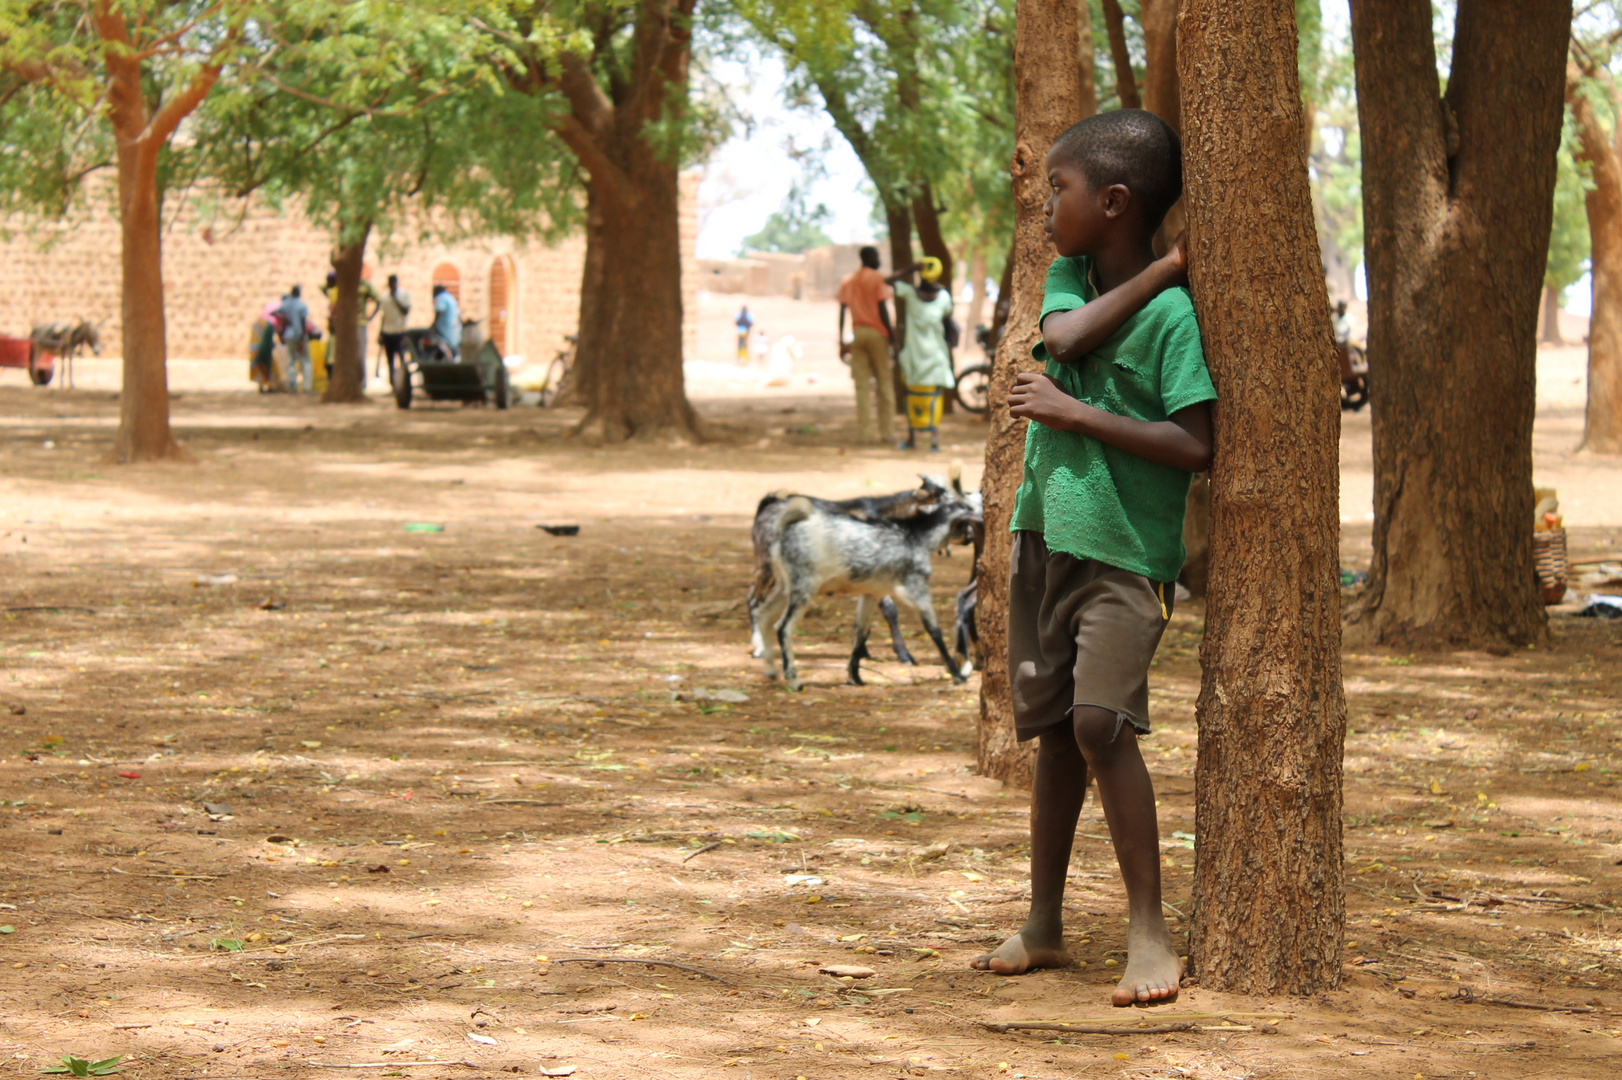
column 557, row 372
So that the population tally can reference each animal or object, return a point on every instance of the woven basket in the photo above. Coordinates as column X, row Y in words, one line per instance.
column 1549, row 563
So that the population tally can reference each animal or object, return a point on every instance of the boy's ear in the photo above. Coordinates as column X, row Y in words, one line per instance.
column 1117, row 197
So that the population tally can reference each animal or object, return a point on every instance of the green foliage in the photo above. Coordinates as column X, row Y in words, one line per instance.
column 791, row 229
column 74, row 1066
column 1568, row 239
column 388, row 114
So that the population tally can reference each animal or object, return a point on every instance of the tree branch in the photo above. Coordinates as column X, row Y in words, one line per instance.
column 590, row 106
column 1126, row 84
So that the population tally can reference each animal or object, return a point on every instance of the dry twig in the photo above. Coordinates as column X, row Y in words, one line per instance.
column 639, row 960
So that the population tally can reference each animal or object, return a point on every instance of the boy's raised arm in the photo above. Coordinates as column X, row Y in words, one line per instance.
column 1071, row 335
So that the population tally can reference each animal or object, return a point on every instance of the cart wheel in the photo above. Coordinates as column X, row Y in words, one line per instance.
column 554, row 383
column 402, row 384
column 41, row 376
column 503, row 393
column 974, row 388
column 1355, row 393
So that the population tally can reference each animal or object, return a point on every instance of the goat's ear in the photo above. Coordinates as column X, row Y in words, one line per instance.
column 955, row 474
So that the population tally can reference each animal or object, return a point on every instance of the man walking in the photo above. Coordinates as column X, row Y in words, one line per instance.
column 296, row 336
column 863, row 293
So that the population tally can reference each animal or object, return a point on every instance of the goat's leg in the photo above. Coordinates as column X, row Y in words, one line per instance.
column 761, row 587
column 768, row 615
column 785, row 636
column 914, row 592
column 887, row 609
column 858, row 650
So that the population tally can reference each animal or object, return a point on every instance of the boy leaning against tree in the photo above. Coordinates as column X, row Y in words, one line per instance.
column 1119, row 420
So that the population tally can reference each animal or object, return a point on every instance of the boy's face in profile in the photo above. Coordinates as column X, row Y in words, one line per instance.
column 1078, row 215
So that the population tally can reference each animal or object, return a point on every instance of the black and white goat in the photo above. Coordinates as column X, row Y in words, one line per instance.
column 818, row 551
column 768, row 525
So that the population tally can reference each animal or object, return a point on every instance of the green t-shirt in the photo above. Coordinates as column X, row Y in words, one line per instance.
column 1094, row 501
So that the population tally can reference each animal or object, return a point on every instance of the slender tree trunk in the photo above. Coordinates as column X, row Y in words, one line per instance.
column 977, row 301
column 1159, row 21
column 898, row 218
column 1551, row 318
column 1126, row 83
column 1458, row 200
column 143, row 403
column 926, row 215
column 1268, row 898
column 1602, row 429
column 591, row 335
column 344, row 387
column 1047, row 99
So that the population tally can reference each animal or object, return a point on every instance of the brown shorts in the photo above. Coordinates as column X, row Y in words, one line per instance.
column 1080, row 632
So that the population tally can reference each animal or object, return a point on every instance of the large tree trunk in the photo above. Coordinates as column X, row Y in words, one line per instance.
column 143, row 403
column 630, row 355
column 1602, row 430
column 1047, row 99
column 1458, row 200
column 1268, row 899
column 344, row 387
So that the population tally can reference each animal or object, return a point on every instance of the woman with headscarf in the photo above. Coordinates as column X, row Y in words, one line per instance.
column 926, row 355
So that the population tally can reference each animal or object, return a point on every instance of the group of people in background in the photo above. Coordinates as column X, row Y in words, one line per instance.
column 925, row 352
column 288, row 321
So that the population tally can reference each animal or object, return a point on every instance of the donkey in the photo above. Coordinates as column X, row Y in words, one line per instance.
column 65, row 340
column 817, row 551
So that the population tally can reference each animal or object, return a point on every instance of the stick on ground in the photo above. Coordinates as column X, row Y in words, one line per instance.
column 1092, row 1029
column 637, row 960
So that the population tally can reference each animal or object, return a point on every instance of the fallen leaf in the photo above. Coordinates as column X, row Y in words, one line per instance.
column 8, row 929
column 482, row 1040
column 130, row 775
column 565, row 1070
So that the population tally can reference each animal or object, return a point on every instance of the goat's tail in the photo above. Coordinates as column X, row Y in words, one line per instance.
column 797, row 508
column 772, row 497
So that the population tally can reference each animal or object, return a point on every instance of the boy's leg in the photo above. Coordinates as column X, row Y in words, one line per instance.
column 1110, row 746
column 1056, row 798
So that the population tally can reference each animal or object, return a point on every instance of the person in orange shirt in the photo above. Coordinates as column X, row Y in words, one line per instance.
column 863, row 293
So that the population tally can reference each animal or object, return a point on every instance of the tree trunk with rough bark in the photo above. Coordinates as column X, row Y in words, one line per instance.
column 344, row 387
column 1268, row 896
column 1047, row 99
column 926, row 216
column 1457, row 205
column 1160, row 95
column 628, row 363
column 1602, row 152
column 1085, row 60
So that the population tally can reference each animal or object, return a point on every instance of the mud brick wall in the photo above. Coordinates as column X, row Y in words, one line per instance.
column 219, row 272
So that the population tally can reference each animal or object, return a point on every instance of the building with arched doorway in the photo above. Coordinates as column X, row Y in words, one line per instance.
column 219, row 274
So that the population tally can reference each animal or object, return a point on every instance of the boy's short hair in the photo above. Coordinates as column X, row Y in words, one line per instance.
column 870, row 257
column 1130, row 147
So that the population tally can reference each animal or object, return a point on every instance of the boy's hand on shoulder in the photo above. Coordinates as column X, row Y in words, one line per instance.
column 1174, row 264
column 1037, row 397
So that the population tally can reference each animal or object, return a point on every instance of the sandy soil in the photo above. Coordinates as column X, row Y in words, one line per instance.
column 287, row 786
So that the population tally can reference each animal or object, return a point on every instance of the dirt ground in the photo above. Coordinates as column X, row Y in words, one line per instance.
column 289, row 788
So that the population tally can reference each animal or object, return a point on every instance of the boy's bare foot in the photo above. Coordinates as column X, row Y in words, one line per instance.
column 1025, row 951
column 1153, row 971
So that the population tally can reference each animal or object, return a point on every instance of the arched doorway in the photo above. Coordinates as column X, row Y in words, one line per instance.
column 445, row 274
column 503, row 281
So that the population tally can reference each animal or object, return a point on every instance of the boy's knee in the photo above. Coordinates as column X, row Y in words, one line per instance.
column 1097, row 731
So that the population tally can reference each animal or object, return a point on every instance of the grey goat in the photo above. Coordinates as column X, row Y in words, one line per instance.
column 768, row 524
column 816, row 551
